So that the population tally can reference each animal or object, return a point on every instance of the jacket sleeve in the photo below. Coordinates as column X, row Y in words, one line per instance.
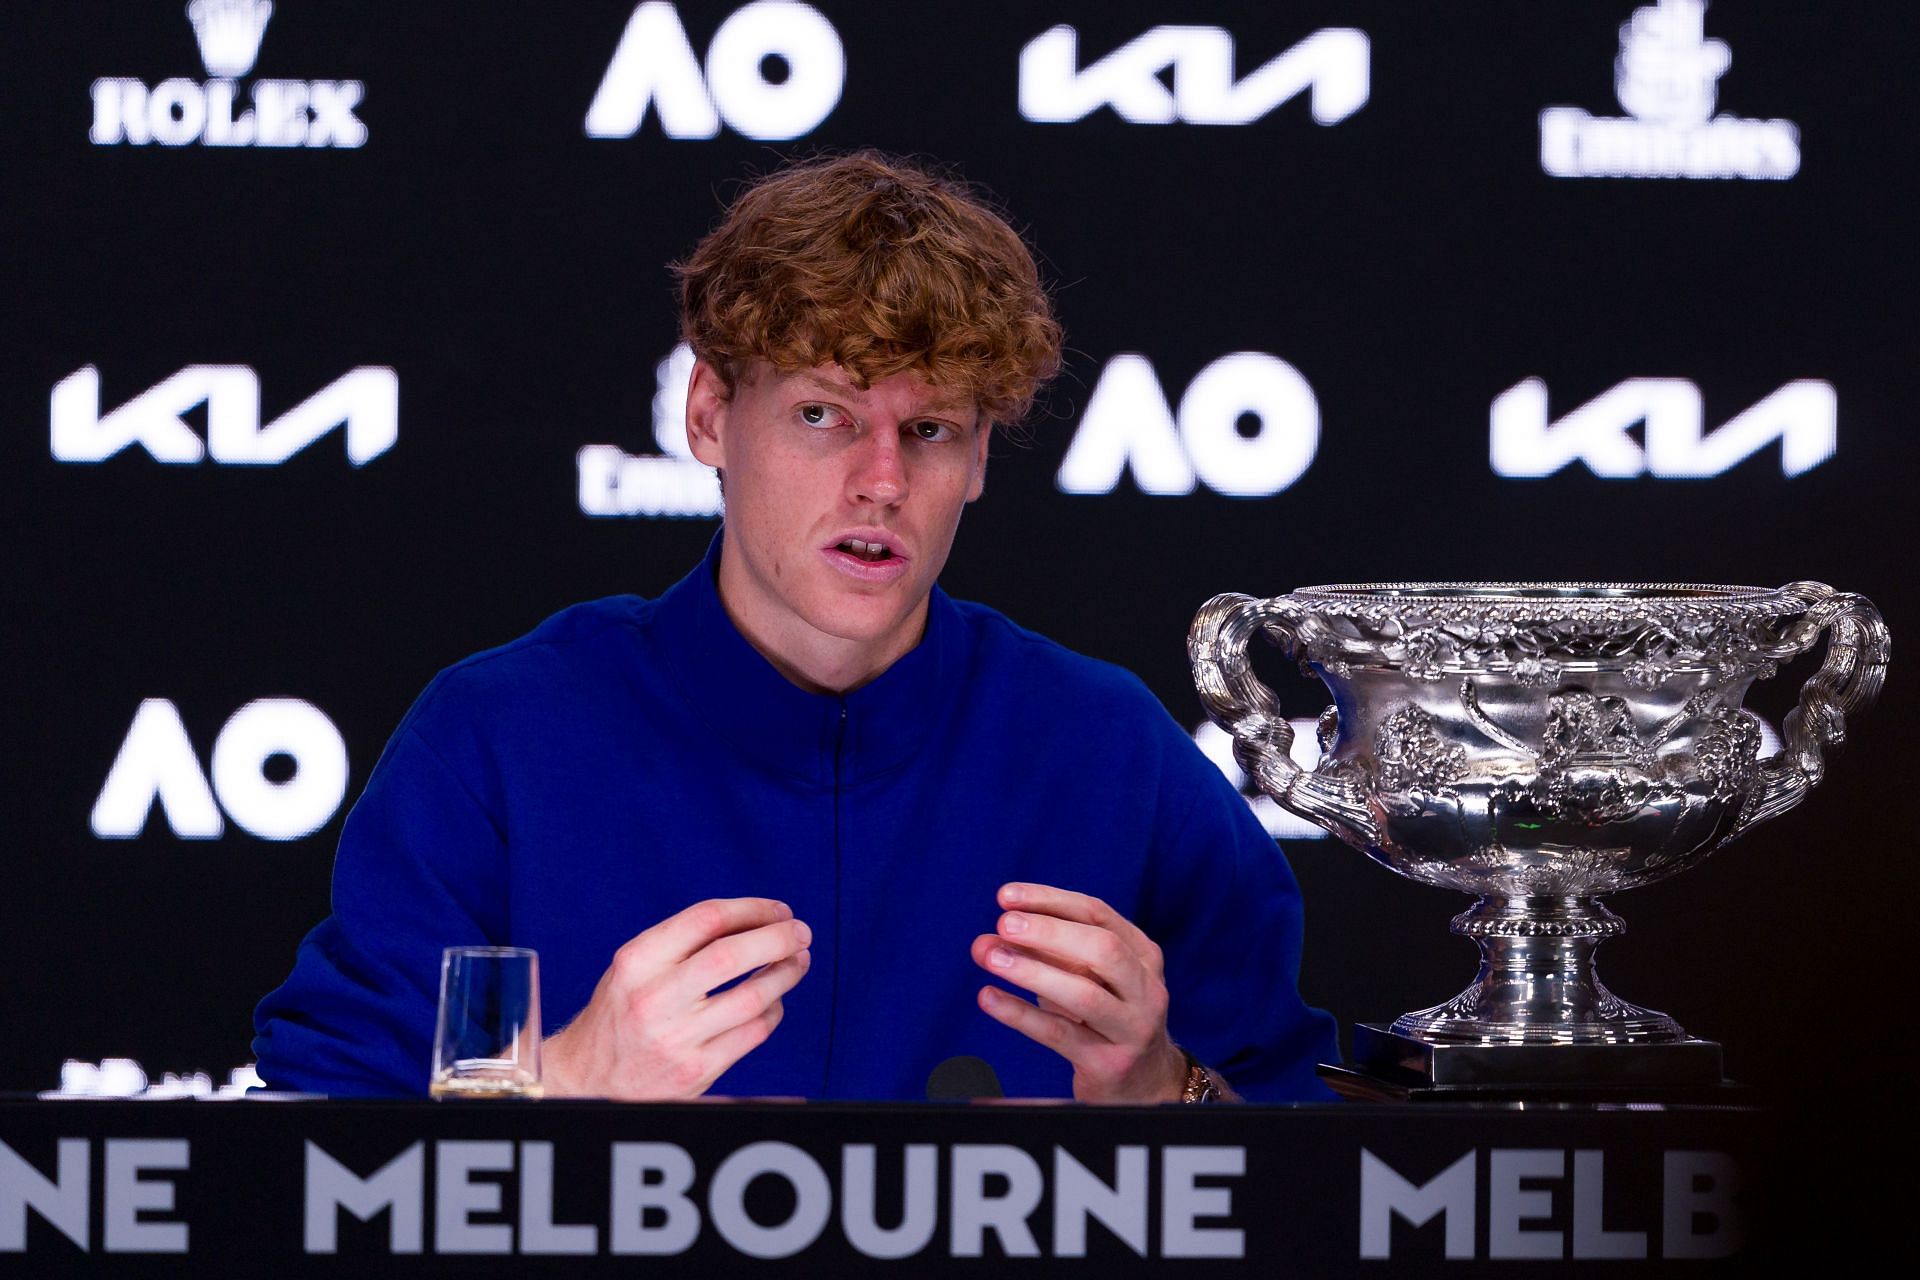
column 1230, row 926
column 421, row 866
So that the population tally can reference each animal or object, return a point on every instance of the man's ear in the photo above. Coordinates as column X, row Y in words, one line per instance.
column 984, row 432
column 707, row 405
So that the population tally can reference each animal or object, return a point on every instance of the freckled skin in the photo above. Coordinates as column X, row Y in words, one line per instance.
column 809, row 455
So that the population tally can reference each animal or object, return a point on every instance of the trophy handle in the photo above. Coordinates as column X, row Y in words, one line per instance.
column 1240, row 703
column 1848, row 681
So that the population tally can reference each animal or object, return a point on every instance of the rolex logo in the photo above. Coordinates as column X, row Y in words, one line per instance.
column 229, row 33
column 227, row 109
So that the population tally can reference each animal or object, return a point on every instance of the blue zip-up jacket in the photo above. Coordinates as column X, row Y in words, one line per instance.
column 630, row 757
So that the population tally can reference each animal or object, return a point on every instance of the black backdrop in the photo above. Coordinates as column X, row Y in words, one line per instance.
column 1412, row 261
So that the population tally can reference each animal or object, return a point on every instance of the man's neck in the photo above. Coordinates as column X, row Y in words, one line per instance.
column 821, row 663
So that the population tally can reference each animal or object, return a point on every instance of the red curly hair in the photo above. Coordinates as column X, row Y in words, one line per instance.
column 879, row 266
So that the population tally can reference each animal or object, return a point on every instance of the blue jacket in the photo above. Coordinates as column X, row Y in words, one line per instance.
column 630, row 757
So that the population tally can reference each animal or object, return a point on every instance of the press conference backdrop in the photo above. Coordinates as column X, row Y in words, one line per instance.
column 341, row 346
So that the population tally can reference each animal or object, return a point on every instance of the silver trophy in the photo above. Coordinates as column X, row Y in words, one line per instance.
column 1538, row 745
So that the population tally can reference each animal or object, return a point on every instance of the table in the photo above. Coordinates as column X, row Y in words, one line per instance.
column 314, row 1187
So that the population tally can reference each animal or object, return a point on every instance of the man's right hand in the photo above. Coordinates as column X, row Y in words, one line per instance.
column 652, row 1031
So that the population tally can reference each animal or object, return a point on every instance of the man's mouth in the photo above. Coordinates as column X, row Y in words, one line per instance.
column 872, row 552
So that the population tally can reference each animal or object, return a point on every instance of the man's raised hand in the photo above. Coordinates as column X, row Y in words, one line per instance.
column 1101, row 987
column 652, row 1029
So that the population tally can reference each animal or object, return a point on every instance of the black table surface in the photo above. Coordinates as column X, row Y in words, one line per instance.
column 491, row 1188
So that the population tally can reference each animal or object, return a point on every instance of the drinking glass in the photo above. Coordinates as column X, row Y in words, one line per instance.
column 486, row 1042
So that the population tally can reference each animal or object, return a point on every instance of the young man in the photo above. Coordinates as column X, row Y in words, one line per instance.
column 796, row 826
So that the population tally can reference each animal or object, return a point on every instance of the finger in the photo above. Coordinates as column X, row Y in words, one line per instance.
column 730, row 1046
column 685, row 932
column 1062, row 1035
column 1099, row 953
column 1083, row 908
column 751, row 998
column 724, row 959
column 1079, row 998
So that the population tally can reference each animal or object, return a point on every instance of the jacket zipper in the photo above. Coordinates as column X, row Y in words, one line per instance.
column 833, row 1001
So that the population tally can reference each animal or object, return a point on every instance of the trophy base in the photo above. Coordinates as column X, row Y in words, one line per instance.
column 1394, row 1068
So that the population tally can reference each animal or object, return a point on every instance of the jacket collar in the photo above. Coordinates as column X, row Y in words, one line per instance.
column 766, row 718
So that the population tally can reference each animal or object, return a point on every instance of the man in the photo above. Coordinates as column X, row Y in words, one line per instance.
column 758, row 828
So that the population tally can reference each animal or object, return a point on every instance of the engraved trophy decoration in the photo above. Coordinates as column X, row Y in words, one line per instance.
column 1539, row 746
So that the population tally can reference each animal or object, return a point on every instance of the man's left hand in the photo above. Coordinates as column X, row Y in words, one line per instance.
column 1101, row 987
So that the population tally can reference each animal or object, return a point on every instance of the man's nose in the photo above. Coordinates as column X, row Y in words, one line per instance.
column 879, row 471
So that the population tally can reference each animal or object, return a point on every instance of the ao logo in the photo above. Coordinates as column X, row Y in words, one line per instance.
column 1524, row 444
column 364, row 401
column 1128, row 423
column 1334, row 63
column 157, row 762
column 654, row 63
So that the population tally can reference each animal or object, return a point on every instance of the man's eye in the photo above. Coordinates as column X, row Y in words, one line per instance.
column 933, row 432
column 813, row 414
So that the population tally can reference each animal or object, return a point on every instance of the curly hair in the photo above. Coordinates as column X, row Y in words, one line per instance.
column 879, row 266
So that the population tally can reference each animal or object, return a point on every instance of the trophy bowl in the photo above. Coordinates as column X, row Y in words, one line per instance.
column 1539, row 745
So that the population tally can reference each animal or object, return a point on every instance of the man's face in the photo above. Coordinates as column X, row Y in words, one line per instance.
column 841, row 508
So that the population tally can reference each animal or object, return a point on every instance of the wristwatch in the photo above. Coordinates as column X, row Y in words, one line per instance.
column 1201, row 1086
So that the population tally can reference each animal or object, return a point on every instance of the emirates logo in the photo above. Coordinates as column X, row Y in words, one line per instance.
column 1667, row 78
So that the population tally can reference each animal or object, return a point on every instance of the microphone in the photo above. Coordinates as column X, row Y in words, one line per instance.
column 962, row 1079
